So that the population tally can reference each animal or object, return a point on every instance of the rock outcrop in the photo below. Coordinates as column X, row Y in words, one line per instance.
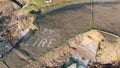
column 58, row 56
column 109, row 53
column 7, row 8
column 20, row 25
column 91, row 45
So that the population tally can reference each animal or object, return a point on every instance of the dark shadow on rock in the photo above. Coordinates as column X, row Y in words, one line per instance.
column 35, row 12
column 18, row 3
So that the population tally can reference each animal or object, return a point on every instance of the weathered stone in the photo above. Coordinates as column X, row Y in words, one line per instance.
column 58, row 56
column 87, row 43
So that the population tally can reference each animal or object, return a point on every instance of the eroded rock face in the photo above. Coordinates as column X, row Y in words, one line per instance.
column 86, row 46
column 19, row 25
column 7, row 7
column 58, row 56
column 109, row 53
column 87, row 43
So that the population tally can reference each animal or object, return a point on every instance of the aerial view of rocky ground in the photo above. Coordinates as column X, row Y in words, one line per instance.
column 59, row 34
